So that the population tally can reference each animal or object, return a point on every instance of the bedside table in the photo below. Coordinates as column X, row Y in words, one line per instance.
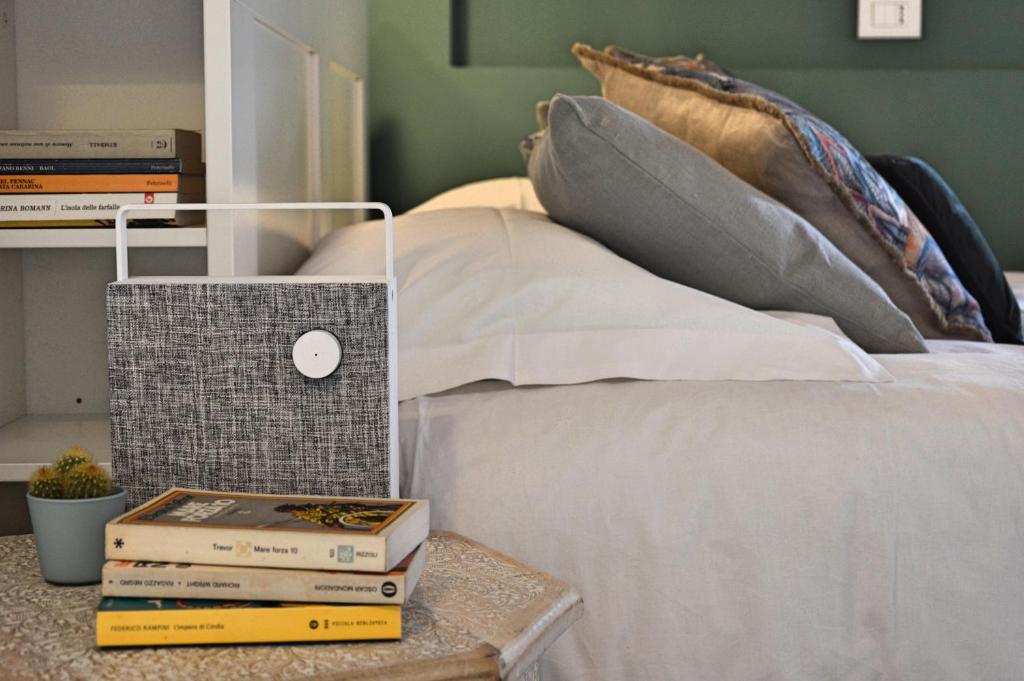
column 475, row 614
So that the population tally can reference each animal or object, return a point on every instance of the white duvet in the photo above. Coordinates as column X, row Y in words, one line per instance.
column 739, row 530
column 856, row 526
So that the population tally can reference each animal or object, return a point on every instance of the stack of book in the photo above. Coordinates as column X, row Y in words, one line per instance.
column 195, row 567
column 79, row 178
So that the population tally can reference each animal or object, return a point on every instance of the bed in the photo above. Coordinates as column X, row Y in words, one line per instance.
column 807, row 528
column 792, row 530
column 737, row 492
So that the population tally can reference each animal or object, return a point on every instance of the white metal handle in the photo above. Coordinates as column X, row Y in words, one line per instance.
column 121, row 223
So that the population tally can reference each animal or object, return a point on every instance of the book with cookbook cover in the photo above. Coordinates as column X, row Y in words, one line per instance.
column 288, row 531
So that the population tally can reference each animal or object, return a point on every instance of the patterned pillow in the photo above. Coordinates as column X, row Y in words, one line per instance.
column 800, row 160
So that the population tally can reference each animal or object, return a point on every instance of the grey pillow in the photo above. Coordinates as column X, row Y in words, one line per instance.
column 666, row 206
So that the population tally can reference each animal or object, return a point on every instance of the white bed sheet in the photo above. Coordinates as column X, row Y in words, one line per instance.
column 1016, row 280
column 735, row 530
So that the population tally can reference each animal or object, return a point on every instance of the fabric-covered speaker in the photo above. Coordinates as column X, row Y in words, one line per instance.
column 259, row 384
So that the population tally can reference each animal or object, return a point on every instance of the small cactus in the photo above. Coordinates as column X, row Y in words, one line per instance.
column 86, row 481
column 46, row 483
column 70, row 458
column 74, row 476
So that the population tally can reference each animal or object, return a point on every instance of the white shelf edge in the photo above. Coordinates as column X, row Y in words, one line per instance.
column 21, row 472
column 35, row 440
column 102, row 237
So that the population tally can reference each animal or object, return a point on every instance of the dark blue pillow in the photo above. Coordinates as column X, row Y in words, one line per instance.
column 954, row 230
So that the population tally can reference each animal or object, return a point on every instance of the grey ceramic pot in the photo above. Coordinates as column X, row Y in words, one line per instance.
column 69, row 535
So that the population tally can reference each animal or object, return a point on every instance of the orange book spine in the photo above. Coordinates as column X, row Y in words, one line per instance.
column 92, row 184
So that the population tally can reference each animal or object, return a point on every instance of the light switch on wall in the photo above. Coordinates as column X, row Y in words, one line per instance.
column 893, row 19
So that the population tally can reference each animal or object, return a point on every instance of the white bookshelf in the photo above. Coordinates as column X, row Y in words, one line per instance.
column 23, row 439
column 277, row 88
column 100, row 237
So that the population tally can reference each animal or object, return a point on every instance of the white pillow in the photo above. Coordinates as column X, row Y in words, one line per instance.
column 503, row 192
column 505, row 294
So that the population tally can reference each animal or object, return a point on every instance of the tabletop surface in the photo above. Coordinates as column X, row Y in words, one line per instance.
column 475, row 614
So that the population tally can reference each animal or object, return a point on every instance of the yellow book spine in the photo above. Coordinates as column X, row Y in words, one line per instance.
column 286, row 624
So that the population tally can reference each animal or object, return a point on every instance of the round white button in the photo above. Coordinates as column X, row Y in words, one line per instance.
column 316, row 354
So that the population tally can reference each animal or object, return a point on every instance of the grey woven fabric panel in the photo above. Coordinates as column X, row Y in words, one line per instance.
column 204, row 393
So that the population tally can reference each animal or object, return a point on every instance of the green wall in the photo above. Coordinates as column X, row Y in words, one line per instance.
column 453, row 84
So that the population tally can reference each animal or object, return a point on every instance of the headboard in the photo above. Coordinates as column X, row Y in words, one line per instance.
column 455, row 82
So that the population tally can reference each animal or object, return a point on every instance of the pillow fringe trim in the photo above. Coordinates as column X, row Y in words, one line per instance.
column 585, row 52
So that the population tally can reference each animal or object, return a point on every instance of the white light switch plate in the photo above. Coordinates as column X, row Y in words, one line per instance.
column 893, row 19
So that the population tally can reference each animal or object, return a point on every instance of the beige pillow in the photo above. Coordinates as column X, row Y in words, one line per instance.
column 802, row 162
column 500, row 192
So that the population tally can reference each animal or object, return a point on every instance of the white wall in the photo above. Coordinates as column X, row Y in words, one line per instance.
column 110, row 64
column 12, row 341
column 65, row 321
column 8, row 67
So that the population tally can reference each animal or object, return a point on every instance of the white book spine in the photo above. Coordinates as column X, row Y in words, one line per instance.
column 247, row 547
column 169, row 580
column 95, row 144
column 81, row 206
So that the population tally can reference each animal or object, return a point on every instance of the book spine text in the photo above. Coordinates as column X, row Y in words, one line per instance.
column 80, row 184
column 247, row 547
column 93, row 144
column 38, row 207
column 69, row 166
column 167, row 580
column 248, row 625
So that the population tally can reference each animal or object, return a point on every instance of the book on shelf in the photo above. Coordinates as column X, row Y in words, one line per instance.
column 97, row 144
column 182, row 220
column 265, row 530
column 101, row 184
column 91, row 166
column 55, row 224
column 144, row 579
column 46, row 208
column 149, row 622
